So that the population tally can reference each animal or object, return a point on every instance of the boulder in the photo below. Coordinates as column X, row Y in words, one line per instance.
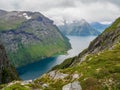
column 57, row 75
column 72, row 86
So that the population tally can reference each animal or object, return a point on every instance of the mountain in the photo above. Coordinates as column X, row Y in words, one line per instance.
column 30, row 36
column 95, row 68
column 98, row 66
column 78, row 28
column 7, row 71
column 98, row 26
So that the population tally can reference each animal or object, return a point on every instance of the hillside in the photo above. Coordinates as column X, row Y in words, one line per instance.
column 7, row 71
column 78, row 28
column 30, row 36
column 96, row 68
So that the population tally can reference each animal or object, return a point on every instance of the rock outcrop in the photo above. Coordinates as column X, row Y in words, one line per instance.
column 72, row 86
column 57, row 75
column 7, row 72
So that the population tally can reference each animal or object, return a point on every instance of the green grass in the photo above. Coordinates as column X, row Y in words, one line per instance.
column 97, row 72
column 16, row 87
column 10, row 24
column 98, row 69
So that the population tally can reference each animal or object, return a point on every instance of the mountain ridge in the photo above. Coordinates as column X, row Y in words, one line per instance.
column 30, row 36
column 78, row 28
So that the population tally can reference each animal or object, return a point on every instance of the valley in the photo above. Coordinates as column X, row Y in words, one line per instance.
column 60, row 45
column 95, row 68
column 35, row 70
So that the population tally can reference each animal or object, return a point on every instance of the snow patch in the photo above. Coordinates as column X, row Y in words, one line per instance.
column 26, row 16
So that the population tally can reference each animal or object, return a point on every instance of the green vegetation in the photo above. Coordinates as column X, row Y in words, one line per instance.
column 10, row 73
column 25, row 55
column 17, row 86
column 27, row 41
column 99, row 69
column 70, row 61
column 65, row 64
column 97, row 72
column 10, row 23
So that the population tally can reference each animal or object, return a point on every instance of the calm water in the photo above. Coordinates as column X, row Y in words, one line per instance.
column 36, row 69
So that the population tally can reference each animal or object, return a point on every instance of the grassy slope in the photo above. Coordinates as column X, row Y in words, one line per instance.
column 98, row 72
column 7, row 24
column 36, row 52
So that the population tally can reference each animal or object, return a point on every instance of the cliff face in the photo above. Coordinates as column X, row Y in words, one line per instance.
column 78, row 28
column 30, row 36
column 7, row 72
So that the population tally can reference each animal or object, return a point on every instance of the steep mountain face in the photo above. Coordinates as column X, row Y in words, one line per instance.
column 30, row 36
column 96, row 68
column 98, row 26
column 78, row 28
column 7, row 72
column 105, row 41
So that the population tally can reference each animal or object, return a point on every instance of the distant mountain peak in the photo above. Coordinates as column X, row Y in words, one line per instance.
column 79, row 28
column 99, row 26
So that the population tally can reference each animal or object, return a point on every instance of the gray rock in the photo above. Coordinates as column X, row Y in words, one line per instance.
column 52, row 74
column 72, row 86
column 75, row 76
column 57, row 75
column 26, row 82
column 45, row 85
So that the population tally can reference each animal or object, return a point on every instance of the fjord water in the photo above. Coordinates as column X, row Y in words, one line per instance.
column 34, row 70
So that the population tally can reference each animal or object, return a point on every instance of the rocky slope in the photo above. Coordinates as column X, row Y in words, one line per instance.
column 78, row 28
column 7, row 71
column 96, row 68
column 30, row 36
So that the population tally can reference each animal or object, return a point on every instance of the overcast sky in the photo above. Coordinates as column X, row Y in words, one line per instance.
column 59, row 10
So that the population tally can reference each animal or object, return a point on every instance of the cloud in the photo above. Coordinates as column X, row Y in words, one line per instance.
column 116, row 2
column 58, row 10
